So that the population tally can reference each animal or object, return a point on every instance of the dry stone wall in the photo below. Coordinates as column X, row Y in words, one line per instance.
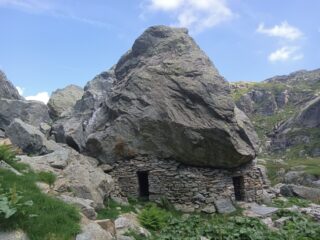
column 186, row 186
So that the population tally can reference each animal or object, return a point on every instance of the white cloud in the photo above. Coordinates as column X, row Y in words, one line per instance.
column 197, row 15
column 41, row 96
column 285, row 53
column 166, row 5
column 284, row 30
column 20, row 90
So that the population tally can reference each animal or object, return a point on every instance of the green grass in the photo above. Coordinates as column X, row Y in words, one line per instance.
column 47, row 177
column 293, row 201
column 113, row 209
column 48, row 218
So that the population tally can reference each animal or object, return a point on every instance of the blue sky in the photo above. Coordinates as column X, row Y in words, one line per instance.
column 48, row 44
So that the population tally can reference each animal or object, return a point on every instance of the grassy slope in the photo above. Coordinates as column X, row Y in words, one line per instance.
column 48, row 218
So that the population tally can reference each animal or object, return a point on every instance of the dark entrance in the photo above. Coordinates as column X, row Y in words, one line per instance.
column 239, row 191
column 143, row 184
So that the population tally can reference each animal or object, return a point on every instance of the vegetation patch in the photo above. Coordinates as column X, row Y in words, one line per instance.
column 113, row 209
column 293, row 201
column 47, row 177
column 42, row 217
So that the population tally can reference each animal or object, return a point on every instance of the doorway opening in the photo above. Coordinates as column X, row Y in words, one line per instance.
column 143, row 180
column 239, row 190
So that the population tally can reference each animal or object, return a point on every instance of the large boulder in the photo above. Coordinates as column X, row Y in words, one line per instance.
column 31, row 112
column 169, row 101
column 29, row 138
column 309, row 193
column 64, row 99
column 7, row 90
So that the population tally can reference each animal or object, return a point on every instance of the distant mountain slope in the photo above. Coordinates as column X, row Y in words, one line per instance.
column 285, row 111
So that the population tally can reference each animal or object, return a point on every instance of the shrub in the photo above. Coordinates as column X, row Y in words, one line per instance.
column 153, row 218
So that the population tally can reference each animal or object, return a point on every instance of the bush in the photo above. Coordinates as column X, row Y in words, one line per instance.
column 153, row 218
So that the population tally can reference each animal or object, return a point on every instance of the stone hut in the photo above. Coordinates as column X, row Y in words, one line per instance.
column 187, row 187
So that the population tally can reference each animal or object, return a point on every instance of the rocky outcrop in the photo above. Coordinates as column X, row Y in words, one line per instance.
column 169, row 101
column 12, row 106
column 73, row 128
column 77, row 175
column 7, row 90
column 64, row 99
column 301, row 129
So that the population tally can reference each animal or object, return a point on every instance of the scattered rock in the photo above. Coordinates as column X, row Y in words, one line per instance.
column 281, row 221
column 312, row 210
column 29, row 138
column 256, row 210
column 93, row 231
column 129, row 221
column 44, row 187
column 268, row 221
column 209, row 209
column 6, row 166
column 224, row 206
column 266, row 198
column 107, row 225
column 263, row 211
column 86, row 206
column 16, row 235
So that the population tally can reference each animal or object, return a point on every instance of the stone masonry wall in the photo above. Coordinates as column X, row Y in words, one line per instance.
column 187, row 187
